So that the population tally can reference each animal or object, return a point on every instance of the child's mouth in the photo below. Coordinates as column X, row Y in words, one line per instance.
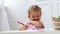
column 35, row 19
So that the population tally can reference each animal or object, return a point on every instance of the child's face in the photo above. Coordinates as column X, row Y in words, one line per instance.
column 35, row 15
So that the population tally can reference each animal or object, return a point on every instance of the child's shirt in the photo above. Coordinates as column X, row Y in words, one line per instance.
column 32, row 27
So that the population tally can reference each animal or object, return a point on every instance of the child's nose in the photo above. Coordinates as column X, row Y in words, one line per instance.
column 35, row 17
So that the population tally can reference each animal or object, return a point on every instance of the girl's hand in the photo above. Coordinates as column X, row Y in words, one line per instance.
column 38, row 24
column 23, row 27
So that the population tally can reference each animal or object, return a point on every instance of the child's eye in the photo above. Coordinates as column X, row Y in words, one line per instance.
column 33, row 16
column 37, row 16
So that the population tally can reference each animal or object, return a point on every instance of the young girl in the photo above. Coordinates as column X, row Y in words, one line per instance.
column 34, row 14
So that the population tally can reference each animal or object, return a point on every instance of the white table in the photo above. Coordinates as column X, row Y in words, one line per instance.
column 44, row 31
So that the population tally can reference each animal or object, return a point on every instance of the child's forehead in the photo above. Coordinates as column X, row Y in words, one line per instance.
column 34, row 11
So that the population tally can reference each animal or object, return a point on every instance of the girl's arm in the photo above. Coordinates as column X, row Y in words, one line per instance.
column 40, row 25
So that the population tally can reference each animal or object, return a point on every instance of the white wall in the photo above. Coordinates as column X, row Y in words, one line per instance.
column 0, row 14
column 3, row 17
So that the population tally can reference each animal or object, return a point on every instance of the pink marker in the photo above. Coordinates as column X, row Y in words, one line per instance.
column 20, row 23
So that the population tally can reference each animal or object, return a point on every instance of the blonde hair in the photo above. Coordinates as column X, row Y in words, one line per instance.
column 34, row 7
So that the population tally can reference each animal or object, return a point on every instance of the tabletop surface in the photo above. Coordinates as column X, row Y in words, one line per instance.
column 43, row 31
